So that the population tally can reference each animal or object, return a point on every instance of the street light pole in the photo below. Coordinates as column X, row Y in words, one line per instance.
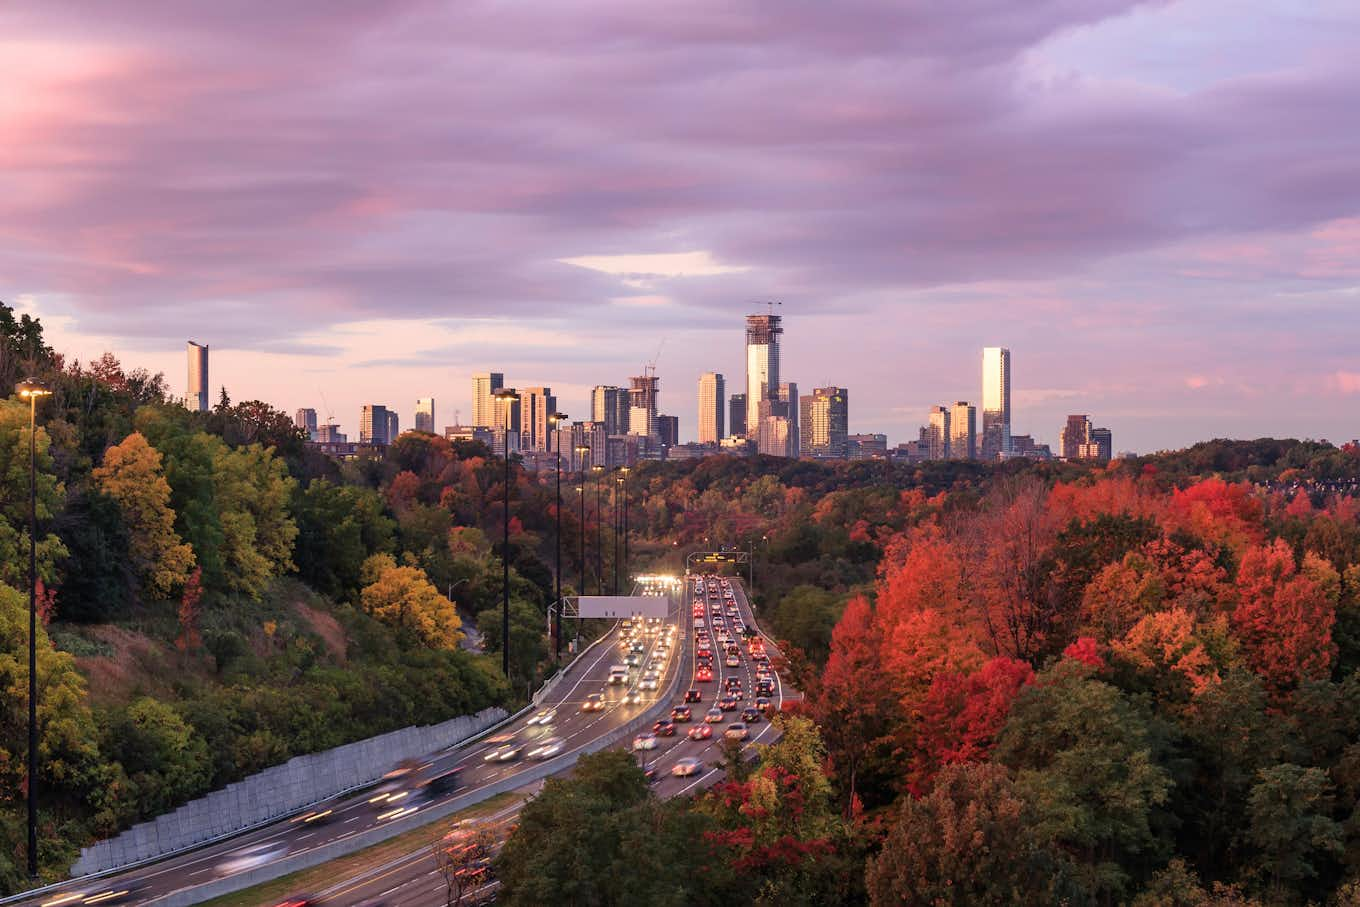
column 509, row 396
column 623, row 524
column 582, row 451
column 32, row 389
column 555, row 419
column 618, row 525
column 599, row 530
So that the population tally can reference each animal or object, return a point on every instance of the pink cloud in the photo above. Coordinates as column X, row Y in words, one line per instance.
column 1344, row 382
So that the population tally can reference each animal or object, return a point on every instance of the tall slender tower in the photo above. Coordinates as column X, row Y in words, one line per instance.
column 642, row 399
column 197, row 396
column 996, row 402
column 762, row 364
column 963, row 431
column 484, row 387
column 536, row 404
column 712, row 400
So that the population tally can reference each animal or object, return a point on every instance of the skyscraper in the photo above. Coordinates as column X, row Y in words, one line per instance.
column 1080, row 440
column 536, row 404
column 393, row 426
column 484, row 387
column 711, row 399
column 762, row 363
column 373, row 424
column 642, row 401
column 772, row 438
column 937, row 434
column 737, row 416
column 506, row 413
column 996, row 402
column 196, row 398
column 963, row 431
column 668, row 429
column 609, row 405
column 305, row 419
column 824, row 422
column 425, row 415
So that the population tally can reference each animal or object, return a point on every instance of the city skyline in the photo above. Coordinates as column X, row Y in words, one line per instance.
column 1167, row 238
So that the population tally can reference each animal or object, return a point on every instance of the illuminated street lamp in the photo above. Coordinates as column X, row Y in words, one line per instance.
column 31, row 389
column 554, row 419
column 509, row 396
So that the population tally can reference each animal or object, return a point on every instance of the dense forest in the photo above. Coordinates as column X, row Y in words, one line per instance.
column 1134, row 684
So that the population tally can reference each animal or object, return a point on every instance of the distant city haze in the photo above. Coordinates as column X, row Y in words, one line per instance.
column 1154, row 207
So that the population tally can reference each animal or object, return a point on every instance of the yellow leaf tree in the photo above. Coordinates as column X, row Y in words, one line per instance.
column 132, row 476
column 403, row 597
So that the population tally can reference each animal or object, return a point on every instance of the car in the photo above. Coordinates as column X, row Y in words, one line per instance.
column 693, row 695
column 703, row 652
column 713, row 715
column 543, row 716
column 310, row 817
column 593, row 703
column 553, row 746
column 763, row 703
column 727, row 704
column 701, row 731
column 644, row 742
column 733, row 661
column 681, row 713
column 764, row 689
column 736, row 731
column 647, row 683
column 632, row 697
column 633, row 660
column 252, row 857
column 703, row 675
column 686, row 767
column 507, row 752
column 113, row 891
column 750, row 715
column 732, row 681
column 664, row 728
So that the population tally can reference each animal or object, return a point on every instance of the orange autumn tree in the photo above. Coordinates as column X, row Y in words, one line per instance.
column 1284, row 616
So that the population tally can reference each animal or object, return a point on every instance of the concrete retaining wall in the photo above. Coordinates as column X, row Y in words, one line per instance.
column 278, row 791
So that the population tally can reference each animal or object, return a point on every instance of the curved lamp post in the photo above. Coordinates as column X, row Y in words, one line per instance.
column 582, row 451
column 31, row 389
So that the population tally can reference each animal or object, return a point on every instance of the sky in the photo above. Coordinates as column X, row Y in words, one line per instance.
column 1154, row 205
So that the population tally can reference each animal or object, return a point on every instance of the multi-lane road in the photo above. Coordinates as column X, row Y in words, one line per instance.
column 415, row 879
column 562, row 721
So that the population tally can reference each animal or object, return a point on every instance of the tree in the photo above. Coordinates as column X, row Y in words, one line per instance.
column 855, row 706
column 339, row 526
column 463, row 857
column 1284, row 617
column 14, row 496
column 97, row 581
column 963, row 713
column 528, row 639
column 1291, row 826
column 189, row 602
column 131, row 475
column 1175, row 643
column 1086, row 760
column 969, row 841
column 165, row 761
column 402, row 597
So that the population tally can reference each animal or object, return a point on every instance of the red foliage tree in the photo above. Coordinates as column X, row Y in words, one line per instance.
column 1284, row 617
column 962, row 714
column 189, row 603
column 1227, row 515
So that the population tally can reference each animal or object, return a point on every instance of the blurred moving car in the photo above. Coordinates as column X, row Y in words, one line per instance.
column 507, row 752
column 593, row 703
column 736, row 731
column 252, row 857
column 686, row 767
column 543, row 716
column 553, row 746
column 701, row 732
column 644, row 742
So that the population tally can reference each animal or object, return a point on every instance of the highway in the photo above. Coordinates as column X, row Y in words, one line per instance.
column 353, row 814
column 414, row 878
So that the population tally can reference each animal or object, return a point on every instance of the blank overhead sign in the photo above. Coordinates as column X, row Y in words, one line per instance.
column 618, row 606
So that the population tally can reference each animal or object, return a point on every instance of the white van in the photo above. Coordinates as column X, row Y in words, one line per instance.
column 618, row 674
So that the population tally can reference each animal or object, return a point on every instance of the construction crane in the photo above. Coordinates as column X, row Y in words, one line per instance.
column 330, row 414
